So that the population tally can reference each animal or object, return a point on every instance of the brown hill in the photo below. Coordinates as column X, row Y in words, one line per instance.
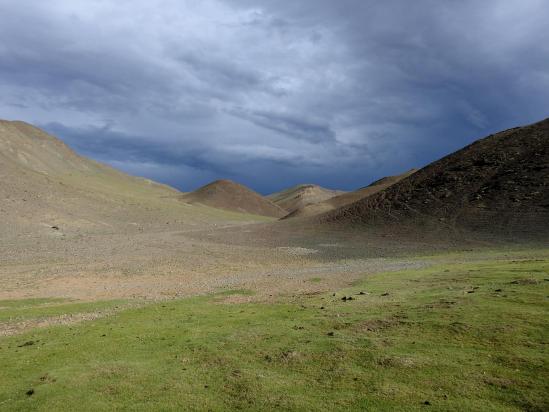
column 300, row 196
column 228, row 195
column 498, row 185
column 348, row 198
column 45, row 185
column 26, row 148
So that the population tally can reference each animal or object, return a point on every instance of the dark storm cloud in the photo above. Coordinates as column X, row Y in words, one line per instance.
column 273, row 93
column 174, row 164
column 111, row 146
column 292, row 126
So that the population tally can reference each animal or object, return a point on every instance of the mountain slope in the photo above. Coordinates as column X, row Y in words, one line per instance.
column 228, row 195
column 497, row 185
column 45, row 185
column 348, row 198
column 23, row 146
column 300, row 196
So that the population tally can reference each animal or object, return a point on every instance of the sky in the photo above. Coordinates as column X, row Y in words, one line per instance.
column 273, row 93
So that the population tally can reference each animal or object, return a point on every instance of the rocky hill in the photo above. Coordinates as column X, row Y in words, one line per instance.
column 497, row 185
column 347, row 198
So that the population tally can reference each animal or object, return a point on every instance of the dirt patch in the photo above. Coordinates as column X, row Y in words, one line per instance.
column 297, row 251
column 528, row 281
column 376, row 325
column 396, row 362
column 10, row 329
column 502, row 383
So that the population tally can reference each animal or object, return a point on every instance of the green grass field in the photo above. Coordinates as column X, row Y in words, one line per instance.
column 464, row 337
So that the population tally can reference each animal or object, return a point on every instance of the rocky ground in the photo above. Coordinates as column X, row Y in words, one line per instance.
column 497, row 186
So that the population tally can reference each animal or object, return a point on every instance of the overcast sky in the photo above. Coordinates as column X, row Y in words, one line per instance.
column 273, row 93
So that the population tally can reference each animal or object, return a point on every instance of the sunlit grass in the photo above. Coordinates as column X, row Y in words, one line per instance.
column 454, row 337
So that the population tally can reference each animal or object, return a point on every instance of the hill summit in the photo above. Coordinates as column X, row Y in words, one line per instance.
column 229, row 195
column 300, row 196
column 346, row 198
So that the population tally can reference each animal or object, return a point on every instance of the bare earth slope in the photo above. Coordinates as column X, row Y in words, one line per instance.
column 26, row 147
column 228, row 195
column 73, row 228
column 348, row 198
column 44, row 185
column 43, row 182
column 498, row 185
column 301, row 196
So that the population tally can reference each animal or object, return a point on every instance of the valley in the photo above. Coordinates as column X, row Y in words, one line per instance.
column 418, row 290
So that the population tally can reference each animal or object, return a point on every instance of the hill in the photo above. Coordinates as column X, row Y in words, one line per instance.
column 29, row 149
column 46, row 185
column 347, row 198
column 300, row 196
column 228, row 195
column 498, row 185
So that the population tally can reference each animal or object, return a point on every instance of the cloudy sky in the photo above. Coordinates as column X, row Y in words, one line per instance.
column 273, row 93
